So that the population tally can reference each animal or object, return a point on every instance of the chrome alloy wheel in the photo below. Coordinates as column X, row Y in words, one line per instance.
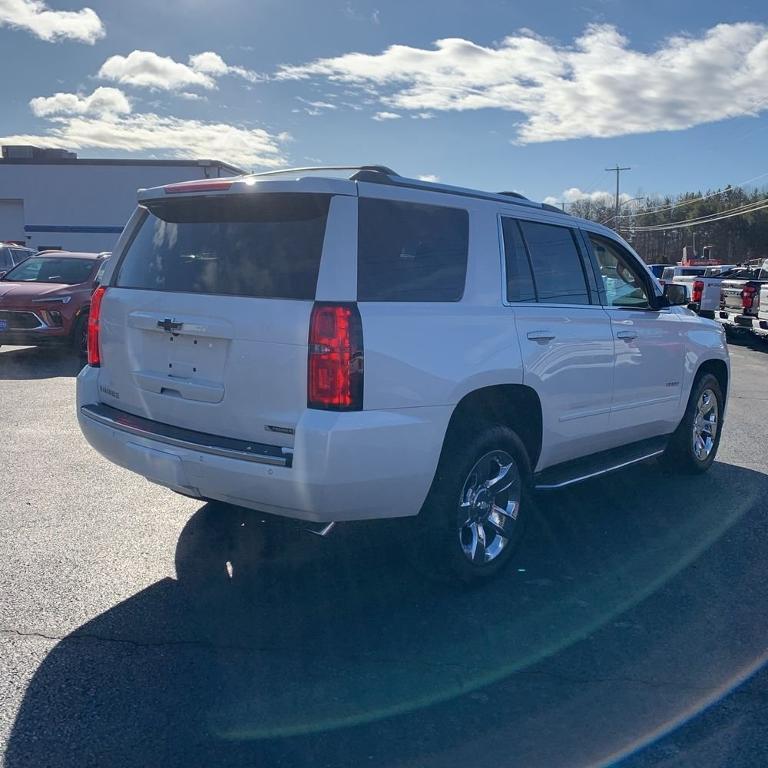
column 489, row 506
column 705, row 425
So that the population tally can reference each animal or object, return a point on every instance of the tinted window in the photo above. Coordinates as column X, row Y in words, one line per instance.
column 5, row 258
column 46, row 269
column 556, row 263
column 409, row 252
column 623, row 283
column 99, row 277
column 19, row 254
column 267, row 246
column 519, row 278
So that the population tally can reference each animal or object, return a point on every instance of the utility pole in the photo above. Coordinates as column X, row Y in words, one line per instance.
column 617, row 170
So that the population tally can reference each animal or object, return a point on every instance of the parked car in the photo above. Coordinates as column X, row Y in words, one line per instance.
column 12, row 254
column 333, row 349
column 45, row 300
column 681, row 275
column 740, row 297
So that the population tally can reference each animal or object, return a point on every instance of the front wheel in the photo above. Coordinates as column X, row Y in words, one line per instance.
column 80, row 337
column 693, row 446
column 476, row 510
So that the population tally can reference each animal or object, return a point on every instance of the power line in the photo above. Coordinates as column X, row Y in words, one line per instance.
column 740, row 211
column 692, row 200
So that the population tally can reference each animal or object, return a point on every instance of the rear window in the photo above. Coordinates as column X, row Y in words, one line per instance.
column 265, row 246
column 411, row 252
column 668, row 274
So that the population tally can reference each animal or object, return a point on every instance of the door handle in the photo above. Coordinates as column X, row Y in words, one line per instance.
column 541, row 336
column 628, row 335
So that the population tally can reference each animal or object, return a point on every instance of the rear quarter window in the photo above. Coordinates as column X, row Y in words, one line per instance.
column 260, row 245
column 410, row 251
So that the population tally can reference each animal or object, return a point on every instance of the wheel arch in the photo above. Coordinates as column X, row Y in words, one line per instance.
column 719, row 369
column 514, row 405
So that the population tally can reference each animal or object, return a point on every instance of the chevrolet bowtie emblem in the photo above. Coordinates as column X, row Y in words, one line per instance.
column 169, row 325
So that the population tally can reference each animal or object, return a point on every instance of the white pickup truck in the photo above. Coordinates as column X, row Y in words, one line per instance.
column 761, row 327
column 741, row 297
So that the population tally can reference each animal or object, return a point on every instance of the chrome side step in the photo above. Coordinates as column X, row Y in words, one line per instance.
column 322, row 532
column 572, row 472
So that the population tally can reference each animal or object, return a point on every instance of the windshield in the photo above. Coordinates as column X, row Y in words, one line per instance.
column 47, row 269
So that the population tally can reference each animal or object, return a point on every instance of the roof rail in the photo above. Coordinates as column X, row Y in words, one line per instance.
column 368, row 168
column 381, row 174
column 377, row 177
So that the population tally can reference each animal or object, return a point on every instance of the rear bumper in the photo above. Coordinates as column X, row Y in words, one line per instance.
column 344, row 466
column 735, row 320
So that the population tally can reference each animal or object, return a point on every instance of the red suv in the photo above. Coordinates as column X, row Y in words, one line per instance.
column 45, row 299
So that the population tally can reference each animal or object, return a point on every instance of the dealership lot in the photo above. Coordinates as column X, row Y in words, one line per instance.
column 138, row 627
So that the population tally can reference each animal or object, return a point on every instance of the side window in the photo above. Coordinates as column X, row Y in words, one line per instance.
column 19, row 255
column 624, row 285
column 557, row 267
column 5, row 259
column 411, row 252
column 520, row 286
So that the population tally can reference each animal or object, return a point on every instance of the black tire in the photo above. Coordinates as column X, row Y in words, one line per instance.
column 441, row 540
column 79, row 339
column 681, row 455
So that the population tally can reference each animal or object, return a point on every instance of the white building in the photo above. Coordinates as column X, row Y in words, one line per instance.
column 50, row 198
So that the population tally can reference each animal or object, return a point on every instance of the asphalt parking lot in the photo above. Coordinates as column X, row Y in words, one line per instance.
column 140, row 628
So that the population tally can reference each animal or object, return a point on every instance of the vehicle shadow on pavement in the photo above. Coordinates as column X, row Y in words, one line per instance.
column 637, row 599
column 748, row 341
column 17, row 363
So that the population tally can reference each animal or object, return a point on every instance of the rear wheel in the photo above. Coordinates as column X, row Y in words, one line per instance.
column 693, row 446
column 476, row 510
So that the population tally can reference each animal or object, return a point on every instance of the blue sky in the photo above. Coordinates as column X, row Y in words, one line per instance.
column 538, row 97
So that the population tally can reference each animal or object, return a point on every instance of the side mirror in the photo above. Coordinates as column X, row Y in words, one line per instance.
column 675, row 295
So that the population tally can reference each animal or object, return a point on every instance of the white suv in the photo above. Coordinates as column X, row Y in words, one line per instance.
column 345, row 344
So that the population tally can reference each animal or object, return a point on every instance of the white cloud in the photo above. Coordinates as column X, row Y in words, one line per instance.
column 212, row 64
column 574, row 194
column 598, row 86
column 103, row 101
column 386, row 116
column 104, row 120
column 147, row 69
column 314, row 107
column 429, row 177
column 34, row 16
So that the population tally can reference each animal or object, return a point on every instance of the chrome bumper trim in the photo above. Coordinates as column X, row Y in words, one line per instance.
column 193, row 441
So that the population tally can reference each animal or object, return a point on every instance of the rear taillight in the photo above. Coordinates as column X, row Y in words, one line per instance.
column 94, row 356
column 748, row 296
column 335, row 375
column 698, row 290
